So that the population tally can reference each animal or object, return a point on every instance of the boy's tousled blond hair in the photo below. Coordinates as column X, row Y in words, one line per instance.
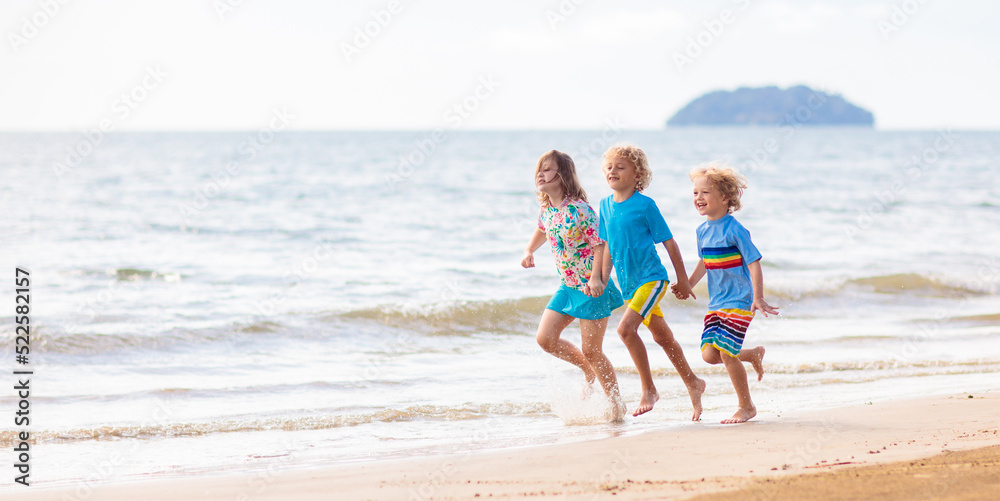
column 729, row 182
column 638, row 158
column 572, row 189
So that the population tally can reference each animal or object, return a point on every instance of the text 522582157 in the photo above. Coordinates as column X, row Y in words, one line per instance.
column 22, row 348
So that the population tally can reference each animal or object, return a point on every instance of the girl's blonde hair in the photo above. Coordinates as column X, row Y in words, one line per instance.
column 729, row 182
column 572, row 189
column 638, row 158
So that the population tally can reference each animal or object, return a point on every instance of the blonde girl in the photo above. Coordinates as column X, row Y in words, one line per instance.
column 569, row 224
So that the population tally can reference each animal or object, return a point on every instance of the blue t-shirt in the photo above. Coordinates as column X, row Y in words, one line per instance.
column 633, row 228
column 725, row 246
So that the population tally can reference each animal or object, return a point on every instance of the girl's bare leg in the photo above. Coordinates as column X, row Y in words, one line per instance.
column 592, row 337
column 549, row 329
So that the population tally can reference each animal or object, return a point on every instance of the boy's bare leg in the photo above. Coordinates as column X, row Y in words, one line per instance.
column 738, row 375
column 549, row 328
column 628, row 331
column 665, row 338
column 592, row 344
column 756, row 358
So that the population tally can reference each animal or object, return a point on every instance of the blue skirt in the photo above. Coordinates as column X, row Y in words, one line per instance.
column 576, row 304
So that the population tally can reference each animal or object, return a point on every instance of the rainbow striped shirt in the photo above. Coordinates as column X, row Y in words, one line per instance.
column 726, row 248
column 721, row 258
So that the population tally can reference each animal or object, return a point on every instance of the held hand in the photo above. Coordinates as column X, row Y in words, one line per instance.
column 682, row 291
column 594, row 288
column 760, row 305
column 528, row 261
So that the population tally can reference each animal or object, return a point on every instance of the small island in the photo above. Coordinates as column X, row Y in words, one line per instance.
column 764, row 106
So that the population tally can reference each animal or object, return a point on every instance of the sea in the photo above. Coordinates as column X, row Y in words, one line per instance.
column 259, row 301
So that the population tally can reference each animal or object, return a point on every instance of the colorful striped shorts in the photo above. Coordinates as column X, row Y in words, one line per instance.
column 725, row 330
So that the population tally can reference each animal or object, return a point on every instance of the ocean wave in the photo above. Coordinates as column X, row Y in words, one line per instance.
column 513, row 316
column 912, row 283
column 977, row 319
column 53, row 340
column 259, row 327
column 234, row 392
column 136, row 274
column 517, row 314
column 319, row 419
column 78, row 343
column 901, row 366
column 778, row 377
column 459, row 318
column 464, row 317
column 901, row 284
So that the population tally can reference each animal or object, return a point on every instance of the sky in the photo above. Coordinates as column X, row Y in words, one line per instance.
column 70, row 65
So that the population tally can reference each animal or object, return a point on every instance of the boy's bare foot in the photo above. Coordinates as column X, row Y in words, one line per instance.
column 741, row 416
column 696, row 391
column 646, row 403
column 757, row 360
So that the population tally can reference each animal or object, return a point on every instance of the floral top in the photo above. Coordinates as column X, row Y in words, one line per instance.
column 572, row 231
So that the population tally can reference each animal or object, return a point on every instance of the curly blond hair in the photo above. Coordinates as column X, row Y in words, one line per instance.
column 566, row 169
column 729, row 182
column 638, row 158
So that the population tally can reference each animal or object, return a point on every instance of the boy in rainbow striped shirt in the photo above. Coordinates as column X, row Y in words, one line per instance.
column 735, row 281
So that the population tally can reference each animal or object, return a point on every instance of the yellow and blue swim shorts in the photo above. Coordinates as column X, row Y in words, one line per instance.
column 646, row 300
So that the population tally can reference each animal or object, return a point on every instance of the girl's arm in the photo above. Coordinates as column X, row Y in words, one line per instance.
column 607, row 264
column 595, row 287
column 757, row 280
column 537, row 239
column 682, row 289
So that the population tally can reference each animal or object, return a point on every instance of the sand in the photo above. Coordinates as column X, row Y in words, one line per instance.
column 973, row 474
column 885, row 450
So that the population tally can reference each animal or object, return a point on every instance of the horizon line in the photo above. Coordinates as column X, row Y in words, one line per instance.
column 505, row 129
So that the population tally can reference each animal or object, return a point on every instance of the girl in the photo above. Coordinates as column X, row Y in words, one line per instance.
column 570, row 226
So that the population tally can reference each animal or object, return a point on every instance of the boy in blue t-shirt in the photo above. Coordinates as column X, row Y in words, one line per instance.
column 632, row 225
column 735, row 281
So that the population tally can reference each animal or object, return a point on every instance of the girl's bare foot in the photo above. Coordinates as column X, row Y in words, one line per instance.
column 757, row 360
column 617, row 410
column 588, row 372
column 741, row 416
column 696, row 391
column 646, row 403
column 588, row 389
